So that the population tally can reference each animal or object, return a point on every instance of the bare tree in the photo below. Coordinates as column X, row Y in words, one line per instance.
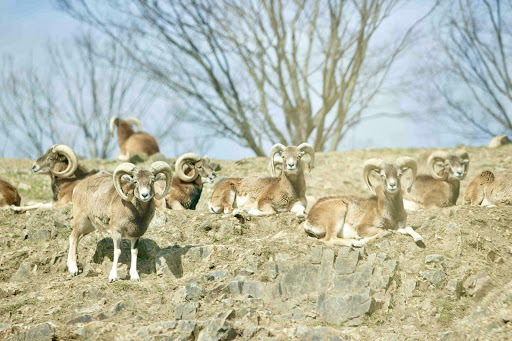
column 473, row 76
column 89, row 81
column 27, row 107
column 259, row 71
column 98, row 81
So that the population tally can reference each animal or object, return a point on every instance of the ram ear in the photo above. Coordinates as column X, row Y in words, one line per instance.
column 160, row 176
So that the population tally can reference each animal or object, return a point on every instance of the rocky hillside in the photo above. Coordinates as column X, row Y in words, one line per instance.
column 215, row 277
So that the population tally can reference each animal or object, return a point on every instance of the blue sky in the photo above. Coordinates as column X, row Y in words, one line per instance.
column 28, row 25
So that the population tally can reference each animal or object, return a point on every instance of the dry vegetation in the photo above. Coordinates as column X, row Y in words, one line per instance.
column 473, row 245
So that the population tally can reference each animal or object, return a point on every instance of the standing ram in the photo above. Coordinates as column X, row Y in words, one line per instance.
column 131, row 142
column 268, row 195
column 192, row 171
column 441, row 188
column 123, row 203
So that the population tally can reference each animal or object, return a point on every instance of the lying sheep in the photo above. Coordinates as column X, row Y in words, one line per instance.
column 489, row 189
column 131, row 142
column 267, row 195
column 124, row 207
column 192, row 172
column 352, row 221
column 440, row 188
column 9, row 195
column 61, row 163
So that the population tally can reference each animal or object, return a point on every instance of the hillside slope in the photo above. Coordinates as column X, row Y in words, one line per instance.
column 211, row 277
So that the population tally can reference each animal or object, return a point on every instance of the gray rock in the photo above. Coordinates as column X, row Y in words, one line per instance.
column 186, row 311
column 86, row 318
column 347, row 260
column 310, row 334
column 478, row 285
column 162, row 327
column 91, row 329
column 236, row 285
column 194, row 292
column 273, row 270
column 252, row 264
column 206, row 225
column 39, row 235
column 266, row 291
column 23, row 273
column 436, row 277
column 214, row 275
column 434, row 259
column 454, row 287
column 408, row 287
column 186, row 329
column 379, row 280
column 316, row 254
column 118, row 307
column 356, row 283
column 168, row 262
column 219, row 328
column 298, row 278
column 341, row 308
column 41, row 332
column 498, row 141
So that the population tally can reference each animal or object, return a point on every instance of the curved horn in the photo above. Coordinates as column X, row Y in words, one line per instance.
column 370, row 165
column 182, row 161
column 277, row 148
column 114, row 121
column 123, row 169
column 72, row 160
column 162, row 167
column 432, row 159
column 134, row 120
column 465, row 159
column 306, row 148
column 405, row 163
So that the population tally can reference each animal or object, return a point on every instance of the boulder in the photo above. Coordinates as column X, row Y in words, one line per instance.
column 498, row 141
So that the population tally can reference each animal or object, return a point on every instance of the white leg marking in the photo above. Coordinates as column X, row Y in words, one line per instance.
column 237, row 212
column 72, row 266
column 254, row 211
column 113, row 273
column 314, row 231
column 348, row 231
column 299, row 210
column 411, row 205
column 487, row 203
column 359, row 243
column 134, row 276
column 409, row 230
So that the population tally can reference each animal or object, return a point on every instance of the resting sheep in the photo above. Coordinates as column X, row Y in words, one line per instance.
column 124, row 207
column 131, row 142
column 192, row 172
column 352, row 221
column 267, row 195
column 9, row 195
column 61, row 163
column 489, row 189
column 440, row 188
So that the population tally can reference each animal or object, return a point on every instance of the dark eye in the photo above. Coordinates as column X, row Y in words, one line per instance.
column 49, row 159
column 200, row 167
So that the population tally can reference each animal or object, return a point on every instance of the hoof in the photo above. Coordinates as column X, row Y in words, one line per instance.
column 359, row 243
column 420, row 243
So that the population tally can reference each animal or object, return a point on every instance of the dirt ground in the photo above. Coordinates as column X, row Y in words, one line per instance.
column 468, row 247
